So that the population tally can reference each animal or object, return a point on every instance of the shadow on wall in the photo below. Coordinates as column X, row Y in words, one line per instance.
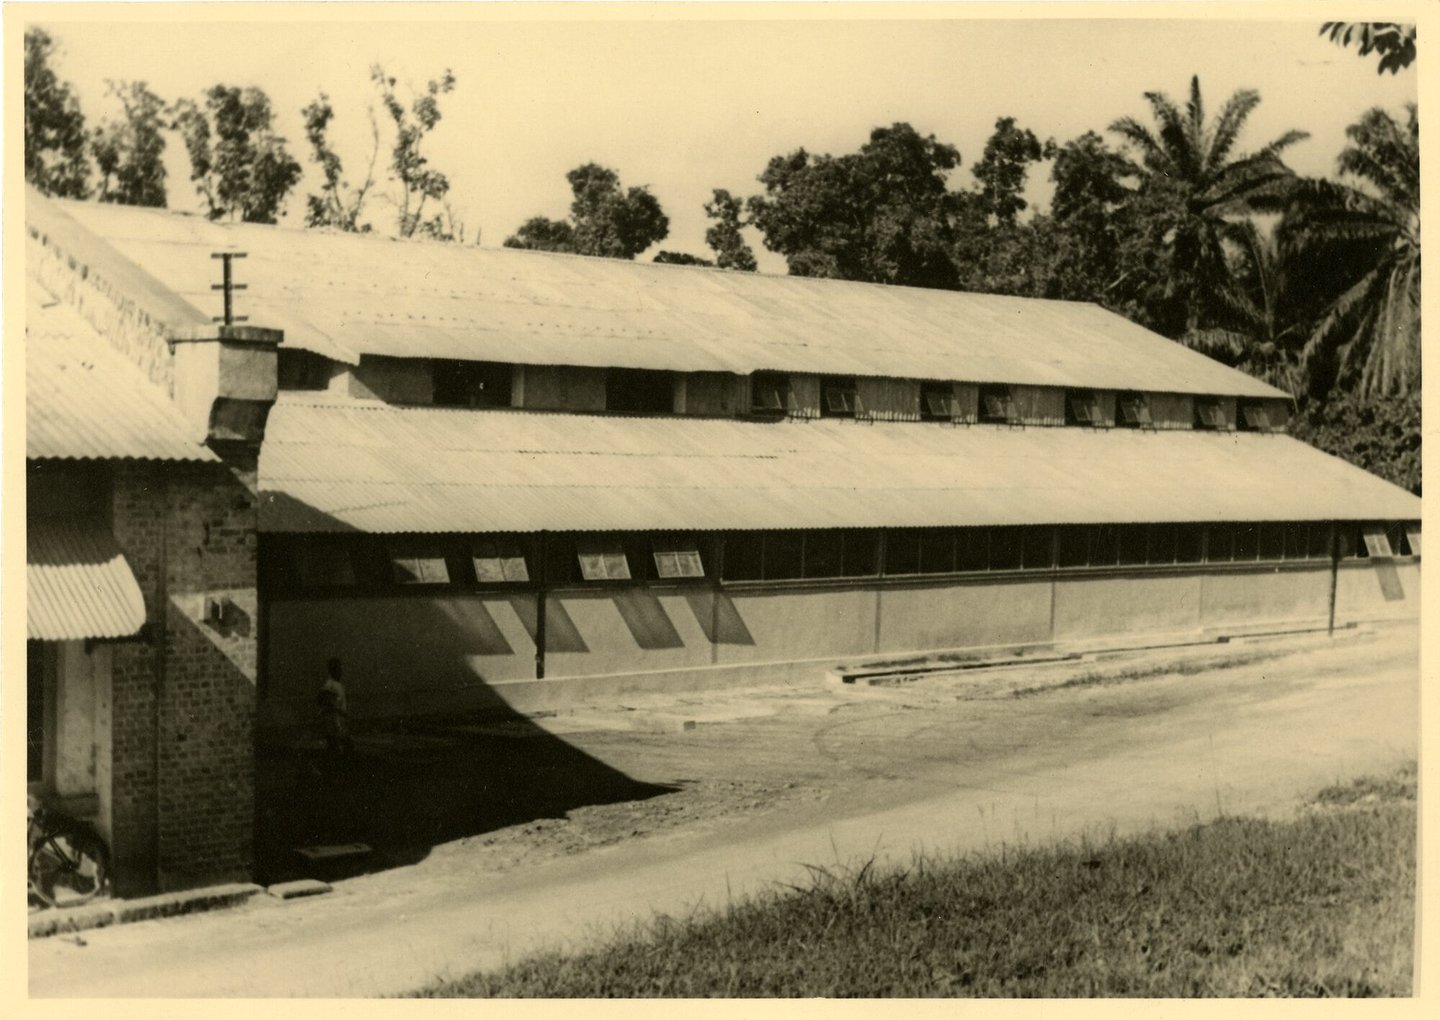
column 437, row 754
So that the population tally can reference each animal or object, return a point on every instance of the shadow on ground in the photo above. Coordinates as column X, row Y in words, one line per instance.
column 409, row 787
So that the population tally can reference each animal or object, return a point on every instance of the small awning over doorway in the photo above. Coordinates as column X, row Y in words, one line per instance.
column 79, row 583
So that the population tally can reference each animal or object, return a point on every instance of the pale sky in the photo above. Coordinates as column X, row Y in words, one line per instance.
column 685, row 106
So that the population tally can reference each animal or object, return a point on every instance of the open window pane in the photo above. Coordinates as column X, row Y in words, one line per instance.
column 1132, row 410
column 1297, row 540
column 1247, row 542
column 1412, row 537
column 498, row 561
column 769, row 392
column 425, row 566
column 1377, row 542
column 602, row 560
column 1105, row 546
column 1209, row 413
column 1082, row 407
column 677, row 557
column 1318, row 541
column 1255, row 417
column 938, row 402
column 1219, row 543
column 838, row 397
column 996, row 404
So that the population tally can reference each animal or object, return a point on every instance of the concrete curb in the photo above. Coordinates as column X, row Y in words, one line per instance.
column 58, row 921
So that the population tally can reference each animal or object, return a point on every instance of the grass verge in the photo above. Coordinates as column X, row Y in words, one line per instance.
column 1318, row 905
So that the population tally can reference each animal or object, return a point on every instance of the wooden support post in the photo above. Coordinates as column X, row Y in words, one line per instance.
column 540, row 593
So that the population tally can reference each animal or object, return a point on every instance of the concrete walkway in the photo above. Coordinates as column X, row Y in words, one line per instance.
column 1160, row 751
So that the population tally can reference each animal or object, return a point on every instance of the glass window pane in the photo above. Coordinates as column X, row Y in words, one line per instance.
column 676, row 556
column 1006, row 548
column 1377, row 543
column 902, row 552
column 939, row 400
column 937, row 551
column 783, row 554
column 426, row 568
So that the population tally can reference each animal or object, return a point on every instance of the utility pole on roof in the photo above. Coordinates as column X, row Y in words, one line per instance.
column 228, row 285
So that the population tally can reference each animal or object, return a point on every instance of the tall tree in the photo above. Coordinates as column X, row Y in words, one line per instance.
column 240, row 167
column 1369, row 336
column 130, row 152
column 1394, row 42
column 606, row 219
column 680, row 258
column 1200, row 192
column 420, row 184
column 723, row 236
column 338, row 205
column 55, row 141
column 1004, row 166
column 883, row 214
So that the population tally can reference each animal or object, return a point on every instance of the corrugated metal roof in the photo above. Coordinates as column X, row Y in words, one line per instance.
column 376, row 468
column 79, row 585
column 84, row 400
column 343, row 295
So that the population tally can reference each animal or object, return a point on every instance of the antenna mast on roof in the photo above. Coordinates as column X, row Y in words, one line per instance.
column 228, row 286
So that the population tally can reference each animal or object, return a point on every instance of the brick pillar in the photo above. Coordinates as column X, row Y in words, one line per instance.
column 183, row 737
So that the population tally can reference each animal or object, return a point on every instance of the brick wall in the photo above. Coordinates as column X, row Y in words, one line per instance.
column 184, row 703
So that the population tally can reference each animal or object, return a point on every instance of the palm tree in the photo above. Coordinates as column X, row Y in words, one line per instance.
column 1368, row 337
column 1197, row 194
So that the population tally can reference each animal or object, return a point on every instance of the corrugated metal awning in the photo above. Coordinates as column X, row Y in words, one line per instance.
column 83, row 400
column 378, row 468
column 79, row 585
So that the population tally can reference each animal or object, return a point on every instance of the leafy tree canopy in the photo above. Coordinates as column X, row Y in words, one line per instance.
column 883, row 214
column 680, row 258
column 420, row 184
column 338, row 205
column 130, row 153
column 723, row 236
column 1394, row 42
column 240, row 167
column 606, row 220
column 55, row 141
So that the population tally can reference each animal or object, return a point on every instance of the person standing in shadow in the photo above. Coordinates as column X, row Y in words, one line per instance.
column 335, row 713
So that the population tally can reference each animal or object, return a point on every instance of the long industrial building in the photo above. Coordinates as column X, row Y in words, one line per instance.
column 485, row 477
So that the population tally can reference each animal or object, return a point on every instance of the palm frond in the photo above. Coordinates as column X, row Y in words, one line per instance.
column 1227, row 127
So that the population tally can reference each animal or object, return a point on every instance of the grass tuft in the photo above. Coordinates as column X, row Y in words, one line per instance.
column 1321, row 905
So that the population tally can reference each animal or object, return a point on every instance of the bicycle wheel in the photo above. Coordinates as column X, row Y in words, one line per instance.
column 64, row 873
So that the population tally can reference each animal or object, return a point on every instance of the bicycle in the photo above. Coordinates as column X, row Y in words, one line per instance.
column 69, row 863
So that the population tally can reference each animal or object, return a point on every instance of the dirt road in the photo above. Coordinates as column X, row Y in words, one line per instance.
column 943, row 763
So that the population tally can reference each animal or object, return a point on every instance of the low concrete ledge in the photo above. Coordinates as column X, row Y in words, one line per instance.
column 58, row 921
